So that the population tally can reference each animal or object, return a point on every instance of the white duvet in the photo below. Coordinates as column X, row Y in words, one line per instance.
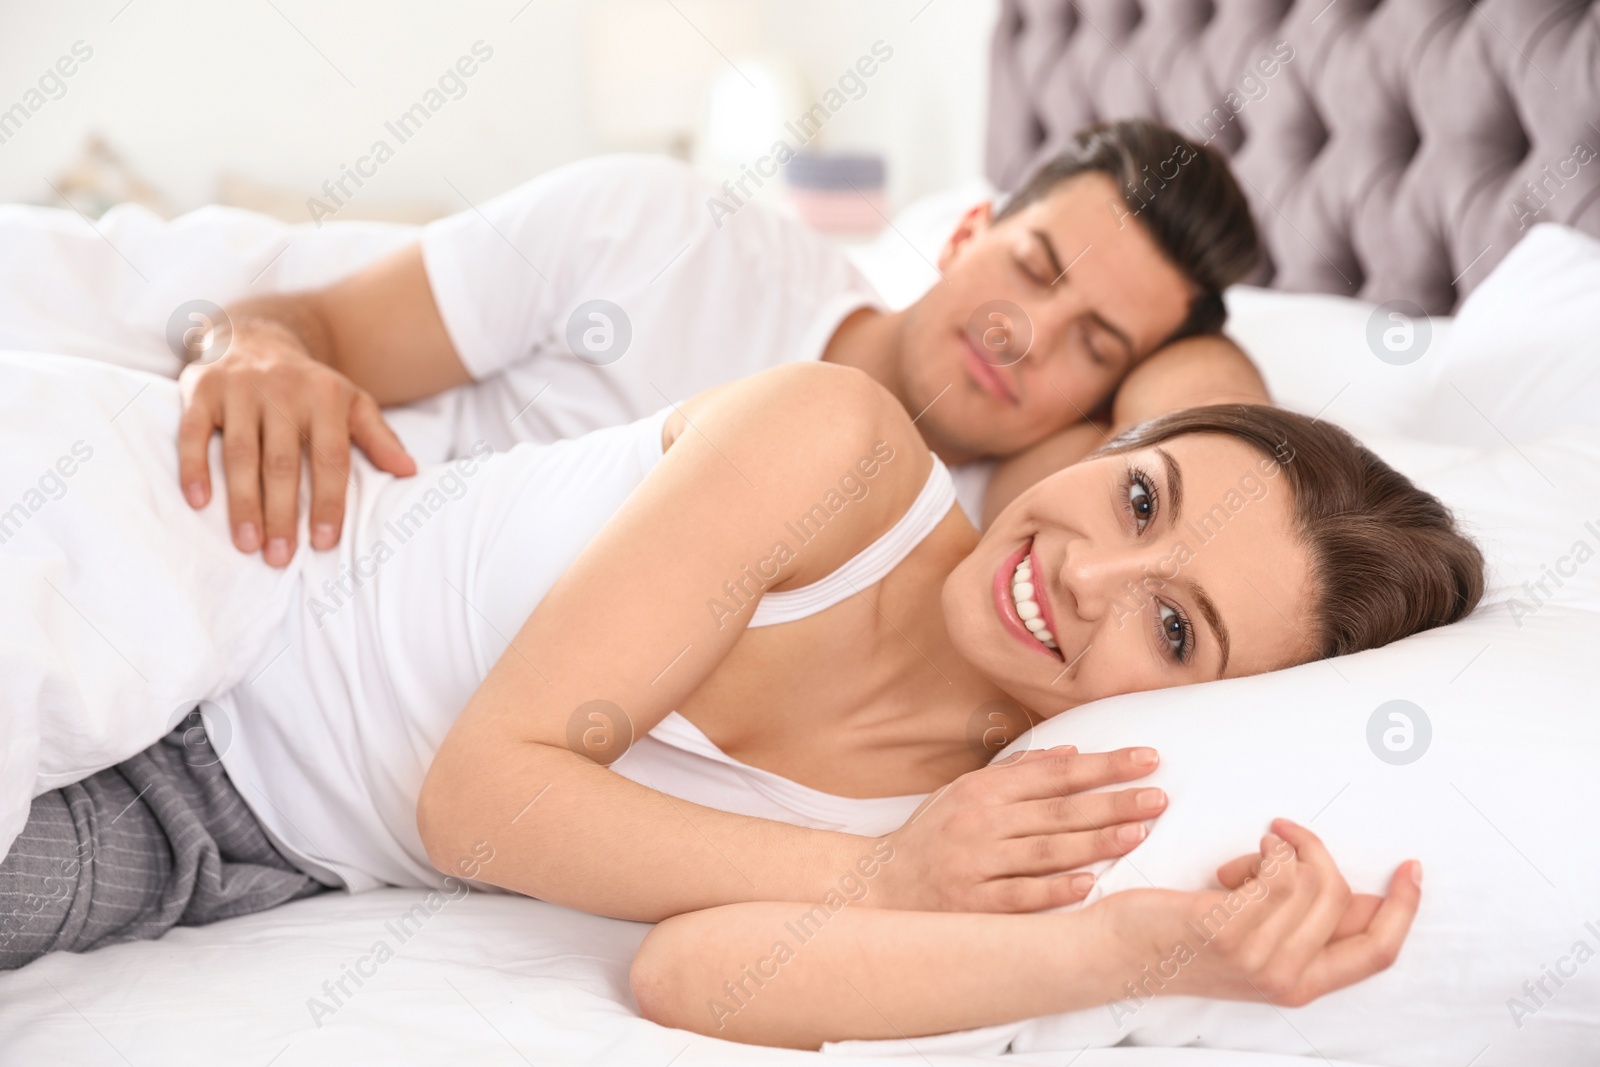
column 116, row 624
column 123, row 604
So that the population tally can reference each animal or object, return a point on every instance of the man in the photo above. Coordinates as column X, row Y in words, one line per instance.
column 603, row 291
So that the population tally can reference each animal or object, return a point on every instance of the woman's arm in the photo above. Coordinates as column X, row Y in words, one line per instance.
column 1285, row 929
column 627, row 633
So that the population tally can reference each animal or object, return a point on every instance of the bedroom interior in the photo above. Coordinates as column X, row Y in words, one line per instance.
column 1424, row 177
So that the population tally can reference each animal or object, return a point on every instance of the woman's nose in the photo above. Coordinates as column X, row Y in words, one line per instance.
column 1100, row 580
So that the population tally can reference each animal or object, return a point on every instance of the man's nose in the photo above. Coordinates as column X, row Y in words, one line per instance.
column 1049, row 319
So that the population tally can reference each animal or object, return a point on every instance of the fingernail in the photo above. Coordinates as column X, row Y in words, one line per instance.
column 1416, row 873
column 1131, row 833
column 1082, row 883
column 196, row 493
column 323, row 536
column 249, row 537
column 1149, row 799
column 1143, row 757
column 277, row 551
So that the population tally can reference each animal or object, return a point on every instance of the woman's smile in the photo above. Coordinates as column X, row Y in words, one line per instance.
column 1022, row 603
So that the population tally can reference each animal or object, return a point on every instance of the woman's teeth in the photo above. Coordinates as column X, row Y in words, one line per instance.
column 1027, row 607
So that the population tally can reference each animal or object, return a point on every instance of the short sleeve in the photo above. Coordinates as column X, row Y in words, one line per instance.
column 500, row 270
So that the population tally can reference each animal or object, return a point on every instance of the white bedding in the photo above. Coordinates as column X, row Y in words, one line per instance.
column 498, row 979
column 487, row 979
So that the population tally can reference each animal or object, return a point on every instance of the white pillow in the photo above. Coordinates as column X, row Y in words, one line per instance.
column 1320, row 355
column 1524, row 356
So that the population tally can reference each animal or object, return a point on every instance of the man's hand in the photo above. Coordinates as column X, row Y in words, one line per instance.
column 270, row 399
column 999, row 838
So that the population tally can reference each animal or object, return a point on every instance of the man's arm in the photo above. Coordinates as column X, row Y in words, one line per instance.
column 1208, row 369
column 310, row 370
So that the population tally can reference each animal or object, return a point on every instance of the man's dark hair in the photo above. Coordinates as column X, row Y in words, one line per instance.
column 1184, row 195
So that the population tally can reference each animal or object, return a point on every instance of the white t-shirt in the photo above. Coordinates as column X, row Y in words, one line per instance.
column 516, row 278
column 350, row 697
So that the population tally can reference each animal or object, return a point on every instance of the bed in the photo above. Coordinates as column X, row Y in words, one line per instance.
column 1383, row 158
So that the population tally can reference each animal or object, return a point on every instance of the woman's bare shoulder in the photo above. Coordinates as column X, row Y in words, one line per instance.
column 814, row 434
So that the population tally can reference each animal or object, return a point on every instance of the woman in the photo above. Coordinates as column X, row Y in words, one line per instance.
column 768, row 593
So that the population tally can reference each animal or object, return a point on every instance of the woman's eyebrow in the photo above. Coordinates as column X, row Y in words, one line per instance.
column 1208, row 609
column 1174, row 486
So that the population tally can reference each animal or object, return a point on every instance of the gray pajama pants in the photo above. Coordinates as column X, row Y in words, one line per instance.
column 161, row 840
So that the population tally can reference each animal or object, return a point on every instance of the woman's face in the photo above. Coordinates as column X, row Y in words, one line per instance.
column 1173, row 564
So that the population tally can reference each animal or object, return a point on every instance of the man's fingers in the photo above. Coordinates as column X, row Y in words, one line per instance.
column 195, row 428
column 1053, row 773
column 374, row 437
column 330, row 467
column 241, row 463
column 280, row 483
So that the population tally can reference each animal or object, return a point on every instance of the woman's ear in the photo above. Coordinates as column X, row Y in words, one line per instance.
column 977, row 219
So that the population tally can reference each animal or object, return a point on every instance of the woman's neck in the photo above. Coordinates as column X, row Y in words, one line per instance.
column 954, row 717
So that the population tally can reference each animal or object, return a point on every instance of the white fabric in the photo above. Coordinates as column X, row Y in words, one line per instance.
column 676, row 758
column 551, row 985
column 1496, row 807
column 392, row 632
column 122, row 604
column 349, row 699
column 1541, row 309
column 705, row 303
column 1312, row 350
column 869, row 566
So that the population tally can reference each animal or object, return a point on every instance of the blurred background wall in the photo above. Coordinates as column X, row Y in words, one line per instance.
column 181, row 103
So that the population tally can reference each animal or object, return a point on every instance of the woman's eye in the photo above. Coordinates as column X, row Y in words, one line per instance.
column 1175, row 630
column 1141, row 503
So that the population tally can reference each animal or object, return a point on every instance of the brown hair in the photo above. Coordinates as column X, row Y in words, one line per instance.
column 1182, row 192
column 1387, row 559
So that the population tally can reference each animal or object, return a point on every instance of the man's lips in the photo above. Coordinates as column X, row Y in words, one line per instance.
column 990, row 378
column 1006, row 608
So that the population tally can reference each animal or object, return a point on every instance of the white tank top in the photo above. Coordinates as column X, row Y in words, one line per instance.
column 332, row 734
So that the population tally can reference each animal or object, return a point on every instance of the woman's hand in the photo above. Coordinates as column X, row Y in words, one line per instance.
column 1286, row 930
column 999, row 838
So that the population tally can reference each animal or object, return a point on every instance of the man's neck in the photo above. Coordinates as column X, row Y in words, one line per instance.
column 869, row 340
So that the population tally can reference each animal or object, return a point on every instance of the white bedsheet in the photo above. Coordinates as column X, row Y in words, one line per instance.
column 486, row 980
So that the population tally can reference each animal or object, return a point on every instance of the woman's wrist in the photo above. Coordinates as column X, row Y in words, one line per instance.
column 1104, row 956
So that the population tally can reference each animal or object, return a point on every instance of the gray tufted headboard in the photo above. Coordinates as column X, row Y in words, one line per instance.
column 1392, row 149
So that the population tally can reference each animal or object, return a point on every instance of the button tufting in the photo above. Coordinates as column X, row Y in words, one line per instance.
column 1499, row 114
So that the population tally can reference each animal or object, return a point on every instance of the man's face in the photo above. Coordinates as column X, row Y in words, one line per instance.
column 1095, row 295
